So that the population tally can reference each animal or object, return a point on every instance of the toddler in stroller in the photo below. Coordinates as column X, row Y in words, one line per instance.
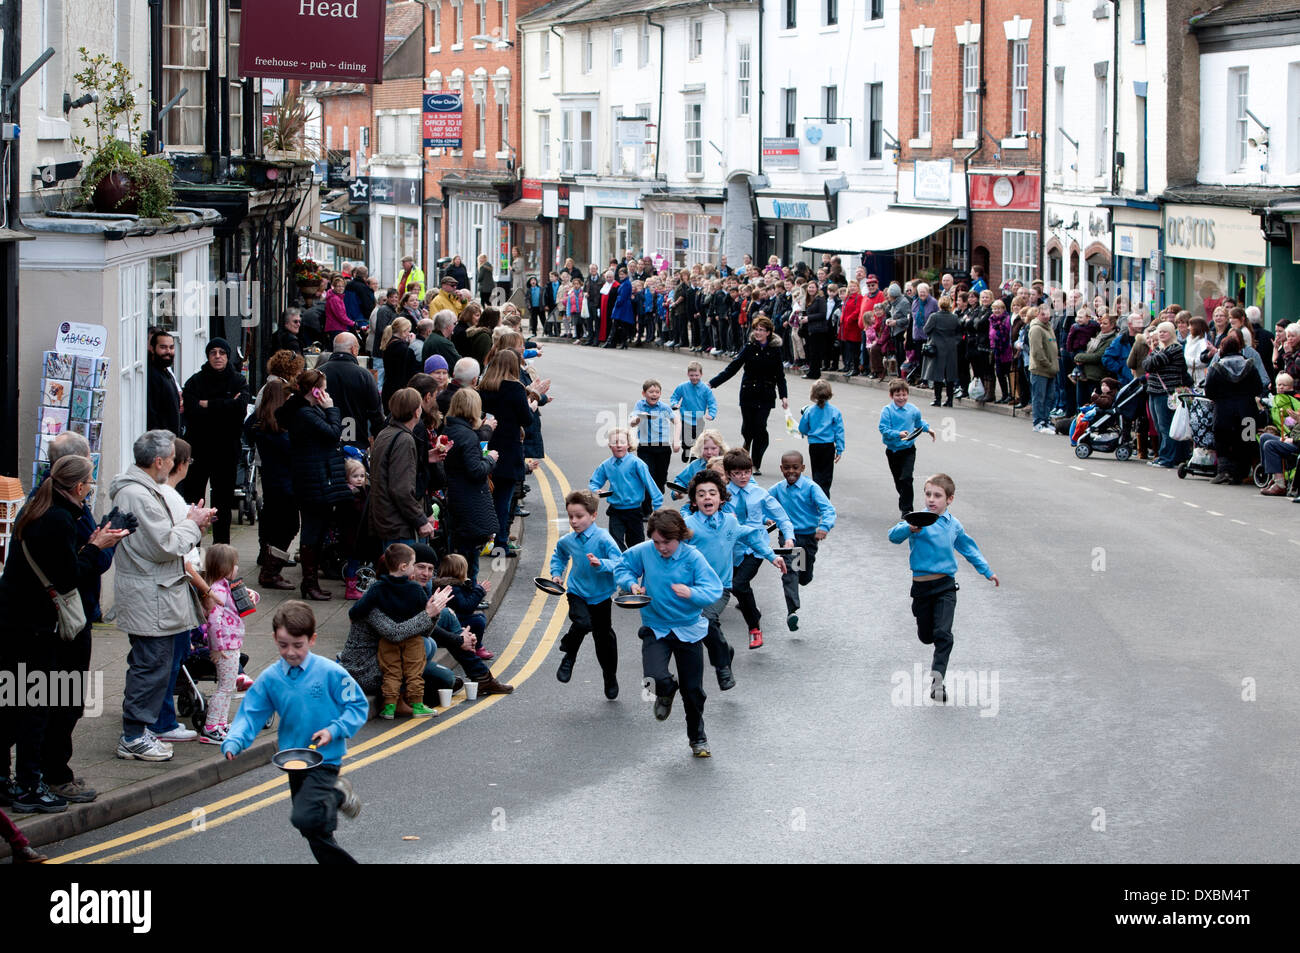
column 1104, row 425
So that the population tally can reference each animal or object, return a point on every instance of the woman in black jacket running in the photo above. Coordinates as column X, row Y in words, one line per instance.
column 762, row 382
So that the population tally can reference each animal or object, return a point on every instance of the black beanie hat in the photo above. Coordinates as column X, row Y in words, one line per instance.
column 221, row 343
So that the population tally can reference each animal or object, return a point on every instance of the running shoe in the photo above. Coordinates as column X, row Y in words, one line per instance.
column 701, row 749
column 755, row 638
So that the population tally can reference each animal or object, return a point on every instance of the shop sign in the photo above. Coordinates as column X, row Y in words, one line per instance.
column 825, row 135
column 781, row 153
column 793, row 208
column 1214, row 233
column 443, row 113
column 1132, row 242
column 932, row 180
column 85, row 340
column 532, row 189
column 612, row 198
column 1007, row 193
column 384, row 190
column 322, row 40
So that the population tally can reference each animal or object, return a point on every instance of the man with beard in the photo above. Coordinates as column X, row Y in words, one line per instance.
column 164, row 401
column 215, row 402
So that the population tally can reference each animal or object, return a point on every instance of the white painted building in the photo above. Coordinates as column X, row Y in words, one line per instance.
column 641, row 128
column 829, row 71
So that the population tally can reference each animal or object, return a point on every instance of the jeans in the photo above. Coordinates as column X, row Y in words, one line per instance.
column 1276, row 456
column 167, row 714
column 435, row 676
column 378, row 364
column 1040, row 388
column 1163, row 417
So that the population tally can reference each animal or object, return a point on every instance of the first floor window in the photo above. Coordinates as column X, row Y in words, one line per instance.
column 1020, row 88
column 694, row 139
column 790, row 107
column 923, row 61
column 875, row 120
column 1019, row 255
column 742, row 79
column 970, row 90
column 544, row 139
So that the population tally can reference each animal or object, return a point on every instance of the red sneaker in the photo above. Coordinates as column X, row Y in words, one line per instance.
column 484, row 654
column 243, row 683
column 755, row 638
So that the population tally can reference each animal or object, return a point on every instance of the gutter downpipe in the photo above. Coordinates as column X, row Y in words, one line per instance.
column 1114, row 149
column 979, row 144
column 659, row 110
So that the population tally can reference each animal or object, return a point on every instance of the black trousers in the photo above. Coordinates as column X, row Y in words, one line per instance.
column 901, row 464
column 56, row 750
column 741, row 577
column 626, row 527
column 279, row 522
column 23, row 725
column 658, row 457
column 316, row 520
column 821, row 457
column 934, row 603
column 816, row 349
column 715, row 643
column 594, row 618
column 753, row 429
column 215, row 465
column 316, row 803
column 655, row 655
column 794, row 578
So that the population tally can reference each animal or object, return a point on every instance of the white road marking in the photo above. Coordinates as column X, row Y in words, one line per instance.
column 1166, row 496
column 1118, row 480
column 1269, row 531
column 1012, row 450
column 995, row 446
column 1194, row 506
column 1096, row 474
column 1073, row 467
column 1057, row 462
column 1034, row 455
column 1214, row 512
column 1241, row 522
column 1146, row 489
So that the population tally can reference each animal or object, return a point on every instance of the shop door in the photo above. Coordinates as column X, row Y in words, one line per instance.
column 133, row 346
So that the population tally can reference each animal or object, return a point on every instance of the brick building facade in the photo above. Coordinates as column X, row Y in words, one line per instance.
column 970, row 117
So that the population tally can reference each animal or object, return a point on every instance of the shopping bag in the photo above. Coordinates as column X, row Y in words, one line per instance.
column 1180, row 428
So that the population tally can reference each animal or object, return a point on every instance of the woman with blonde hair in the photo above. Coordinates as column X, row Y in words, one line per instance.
column 400, row 362
column 471, row 514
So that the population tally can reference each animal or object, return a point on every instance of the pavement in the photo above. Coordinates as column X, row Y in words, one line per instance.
column 126, row 788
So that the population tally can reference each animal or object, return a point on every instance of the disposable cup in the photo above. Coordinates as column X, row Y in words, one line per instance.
column 471, row 690
column 444, row 698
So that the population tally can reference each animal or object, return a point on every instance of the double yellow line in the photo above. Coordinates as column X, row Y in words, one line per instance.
column 202, row 819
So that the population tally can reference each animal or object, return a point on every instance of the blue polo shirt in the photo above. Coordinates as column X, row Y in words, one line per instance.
column 630, row 480
column 667, row 611
column 588, row 583
column 718, row 536
column 806, row 505
column 934, row 549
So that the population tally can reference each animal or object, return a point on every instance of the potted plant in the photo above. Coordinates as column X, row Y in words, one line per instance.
column 308, row 274
column 286, row 137
column 119, row 176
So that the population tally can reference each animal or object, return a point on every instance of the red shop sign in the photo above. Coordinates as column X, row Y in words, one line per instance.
column 313, row 40
column 1007, row 193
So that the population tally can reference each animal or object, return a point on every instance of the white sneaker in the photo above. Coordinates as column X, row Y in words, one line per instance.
column 179, row 733
column 144, row 748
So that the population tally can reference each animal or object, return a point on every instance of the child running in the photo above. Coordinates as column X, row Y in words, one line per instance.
column 695, row 404
column 398, row 597
column 823, row 425
column 319, row 704
column 656, row 424
column 898, row 419
column 466, row 597
column 718, row 535
column 591, row 586
column 753, row 506
column 813, row 517
column 630, row 480
column 708, row 444
column 933, row 559
column 680, row 584
column 225, row 636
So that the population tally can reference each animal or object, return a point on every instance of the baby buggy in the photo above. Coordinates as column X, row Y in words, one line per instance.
column 196, row 668
column 247, row 504
column 1204, row 461
column 1108, row 432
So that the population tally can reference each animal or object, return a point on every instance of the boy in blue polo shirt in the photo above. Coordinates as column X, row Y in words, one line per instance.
column 823, row 425
column 933, row 559
column 753, row 506
column 898, row 419
column 591, row 586
column 319, row 704
column 656, row 437
column 695, row 405
column 630, row 479
column 812, row 516
column 680, row 583
column 718, row 535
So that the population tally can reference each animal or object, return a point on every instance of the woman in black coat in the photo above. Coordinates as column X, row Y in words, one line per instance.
column 469, row 501
column 320, row 480
column 400, row 362
column 941, row 332
column 818, row 330
column 279, row 523
column 762, row 382
column 1233, row 384
column 215, row 400
column 47, row 531
column 505, row 398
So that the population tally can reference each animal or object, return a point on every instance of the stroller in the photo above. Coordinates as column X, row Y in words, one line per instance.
column 196, row 668
column 1204, row 461
column 1108, row 432
column 248, row 505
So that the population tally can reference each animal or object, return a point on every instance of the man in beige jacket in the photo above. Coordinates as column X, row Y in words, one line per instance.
column 1044, row 360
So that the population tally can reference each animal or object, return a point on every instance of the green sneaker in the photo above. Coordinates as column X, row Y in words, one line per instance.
column 388, row 712
column 421, row 710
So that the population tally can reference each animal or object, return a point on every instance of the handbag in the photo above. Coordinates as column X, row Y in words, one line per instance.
column 928, row 349
column 72, row 615
column 1180, row 428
